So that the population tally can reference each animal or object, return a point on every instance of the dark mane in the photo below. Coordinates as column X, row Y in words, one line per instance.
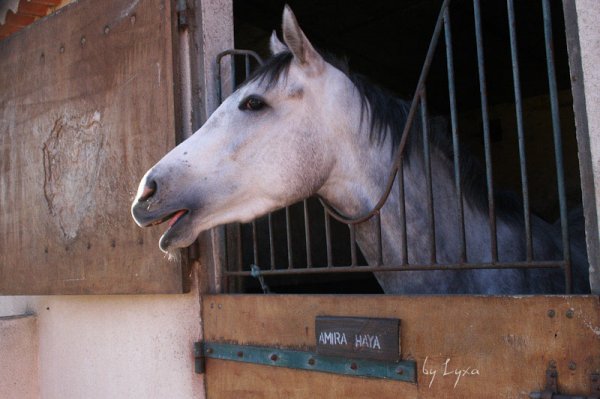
column 387, row 117
column 387, row 113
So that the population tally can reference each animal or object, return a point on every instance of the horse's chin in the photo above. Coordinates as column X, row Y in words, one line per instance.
column 181, row 234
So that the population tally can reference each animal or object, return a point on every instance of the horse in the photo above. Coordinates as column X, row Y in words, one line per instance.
column 304, row 125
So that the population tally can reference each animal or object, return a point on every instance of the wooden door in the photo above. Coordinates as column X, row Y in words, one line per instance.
column 463, row 346
column 87, row 105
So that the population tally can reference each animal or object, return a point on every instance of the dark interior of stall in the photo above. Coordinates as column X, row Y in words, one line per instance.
column 387, row 41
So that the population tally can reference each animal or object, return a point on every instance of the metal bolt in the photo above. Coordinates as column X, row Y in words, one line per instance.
column 399, row 371
column 132, row 19
column 311, row 361
column 572, row 365
column 83, row 40
column 353, row 366
column 209, row 351
column 240, row 354
column 106, row 29
column 551, row 313
column 61, row 49
column 274, row 357
column 570, row 313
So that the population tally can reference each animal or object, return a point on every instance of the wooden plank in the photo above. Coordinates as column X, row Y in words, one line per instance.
column 86, row 107
column 464, row 346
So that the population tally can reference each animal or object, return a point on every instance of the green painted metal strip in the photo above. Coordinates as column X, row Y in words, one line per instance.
column 400, row 371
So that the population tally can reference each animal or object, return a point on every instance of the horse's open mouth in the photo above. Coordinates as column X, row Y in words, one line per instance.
column 174, row 220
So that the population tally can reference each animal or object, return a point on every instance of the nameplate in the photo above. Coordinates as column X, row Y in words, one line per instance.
column 359, row 338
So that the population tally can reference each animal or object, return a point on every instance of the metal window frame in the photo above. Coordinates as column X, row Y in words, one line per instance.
column 443, row 24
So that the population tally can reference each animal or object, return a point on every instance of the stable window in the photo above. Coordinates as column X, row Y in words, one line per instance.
column 498, row 88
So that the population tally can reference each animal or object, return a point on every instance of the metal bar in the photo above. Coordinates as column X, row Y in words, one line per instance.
column 486, row 132
column 411, row 267
column 307, row 234
column 520, row 130
column 239, row 247
column 379, row 240
column 233, row 72
column 560, row 176
column 288, row 232
column 404, row 370
column 219, row 82
column 409, row 120
column 428, row 182
column 254, row 243
column 402, row 215
column 328, row 239
column 271, row 242
column 353, row 244
column 455, row 140
column 247, row 64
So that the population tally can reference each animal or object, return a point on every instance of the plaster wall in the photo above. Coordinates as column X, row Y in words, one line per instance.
column 588, row 19
column 98, row 347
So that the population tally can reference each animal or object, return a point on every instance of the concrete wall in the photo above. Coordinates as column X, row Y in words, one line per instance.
column 583, row 40
column 19, row 366
column 98, row 347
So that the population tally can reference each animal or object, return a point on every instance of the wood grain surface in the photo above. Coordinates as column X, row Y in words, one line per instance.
column 86, row 107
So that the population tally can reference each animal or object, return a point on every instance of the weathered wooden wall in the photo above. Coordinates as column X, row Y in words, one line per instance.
column 87, row 105
column 508, row 340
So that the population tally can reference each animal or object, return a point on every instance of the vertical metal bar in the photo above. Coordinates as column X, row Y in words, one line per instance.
column 247, row 65
column 288, row 233
column 307, row 234
column 239, row 248
column 402, row 213
column 520, row 130
column 254, row 243
column 486, row 132
column 428, row 182
column 455, row 141
column 233, row 77
column 560, row 176
column 328, row 238
column 353, row 244
column 271, row 242
column 219, row 82
column 379, row 240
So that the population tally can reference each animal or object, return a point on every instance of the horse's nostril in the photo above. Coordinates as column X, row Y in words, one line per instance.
column 149, row 190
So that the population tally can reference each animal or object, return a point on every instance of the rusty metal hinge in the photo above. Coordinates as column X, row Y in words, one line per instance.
column 551, row 389
column 183, row 16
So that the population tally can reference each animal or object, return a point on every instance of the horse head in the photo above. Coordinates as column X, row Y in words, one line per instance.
column 268, row 145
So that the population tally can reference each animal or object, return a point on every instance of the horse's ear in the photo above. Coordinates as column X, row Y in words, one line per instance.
column 276, row 45
column 298, row 44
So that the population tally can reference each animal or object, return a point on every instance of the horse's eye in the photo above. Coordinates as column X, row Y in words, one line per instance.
column 252, row 103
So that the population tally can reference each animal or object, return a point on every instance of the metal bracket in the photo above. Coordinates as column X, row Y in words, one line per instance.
column 400, row 371
column 182, row 14
column 551, row 389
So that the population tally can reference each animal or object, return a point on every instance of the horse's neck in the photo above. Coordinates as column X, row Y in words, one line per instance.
column 419, row 235
column 366, row 181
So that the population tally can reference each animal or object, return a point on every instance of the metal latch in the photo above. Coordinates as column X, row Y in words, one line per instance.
column 551, row 389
